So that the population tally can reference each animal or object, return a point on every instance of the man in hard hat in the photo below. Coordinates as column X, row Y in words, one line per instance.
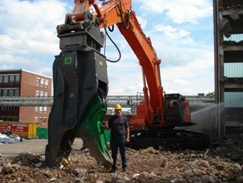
column 119, row 136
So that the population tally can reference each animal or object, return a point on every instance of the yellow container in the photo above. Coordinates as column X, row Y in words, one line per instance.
column 25, row 130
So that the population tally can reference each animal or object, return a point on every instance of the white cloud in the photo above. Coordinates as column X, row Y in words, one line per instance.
column 173, row 33
column 183, row 68
column 30, row 27
column 188, row 13
column 38, row 42
column 29, row 41
column 142, row 21
column 125, row 78
column 192, row 78
column 9, row 61
column 179, row 11
column 180, row 82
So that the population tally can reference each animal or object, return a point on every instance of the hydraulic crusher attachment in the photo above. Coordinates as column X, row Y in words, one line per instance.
column 80, row 89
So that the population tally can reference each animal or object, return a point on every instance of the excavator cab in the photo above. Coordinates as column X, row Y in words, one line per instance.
column 177, row 112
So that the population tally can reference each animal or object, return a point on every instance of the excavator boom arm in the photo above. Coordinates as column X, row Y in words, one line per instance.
column 119, row 12
column 81, row 85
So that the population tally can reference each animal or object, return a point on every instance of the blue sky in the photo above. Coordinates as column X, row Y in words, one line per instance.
column 181, row 32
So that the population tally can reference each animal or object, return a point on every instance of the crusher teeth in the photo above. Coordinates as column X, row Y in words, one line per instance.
column 96, row 153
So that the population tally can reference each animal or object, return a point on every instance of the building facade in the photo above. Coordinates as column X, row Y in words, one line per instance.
column 228, row 44
column 22, row 83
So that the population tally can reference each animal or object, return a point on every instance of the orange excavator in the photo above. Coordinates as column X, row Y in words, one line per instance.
column 81, row 87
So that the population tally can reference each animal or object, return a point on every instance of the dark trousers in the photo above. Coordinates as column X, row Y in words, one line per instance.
column 121, row 144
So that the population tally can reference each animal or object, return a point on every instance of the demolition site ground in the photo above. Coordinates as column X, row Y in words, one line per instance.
column 222, row 162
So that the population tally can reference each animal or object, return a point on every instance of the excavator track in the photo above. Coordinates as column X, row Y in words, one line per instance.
column 168, row 139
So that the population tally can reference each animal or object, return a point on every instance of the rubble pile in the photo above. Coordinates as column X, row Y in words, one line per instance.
column 221, row 163
column 228, row 147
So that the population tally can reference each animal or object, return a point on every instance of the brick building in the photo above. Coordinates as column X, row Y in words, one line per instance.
column 22, row 83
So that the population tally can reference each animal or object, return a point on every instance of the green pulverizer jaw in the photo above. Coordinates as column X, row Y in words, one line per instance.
column 92, row 133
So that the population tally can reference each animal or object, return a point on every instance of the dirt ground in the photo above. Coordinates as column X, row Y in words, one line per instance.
column 222, row 163
column 36, row 146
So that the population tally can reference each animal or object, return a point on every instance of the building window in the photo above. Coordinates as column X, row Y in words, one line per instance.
column 11, row 93
column 16, row 108
column 44, row 108
column 16, row 92
column 5, row 118
column 5, row 79
column 9, row 108
column 3, row 108
column 11, row 79
column 10, row 119
column 36, row 109
column 17, row 79
column 5, row 93
column 40, row 108
column 1, row 79
column 42, row 83
column 37, row 93
column 41, row 94
column 40, row 120
column 44, row 120
column 46, row 84
column 37, row 81
column 46, row 94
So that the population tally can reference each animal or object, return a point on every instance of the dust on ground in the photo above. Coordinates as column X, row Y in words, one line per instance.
column 222, row 162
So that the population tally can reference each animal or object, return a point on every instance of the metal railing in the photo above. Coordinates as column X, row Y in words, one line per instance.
column 124, row 100
column 26, row 101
